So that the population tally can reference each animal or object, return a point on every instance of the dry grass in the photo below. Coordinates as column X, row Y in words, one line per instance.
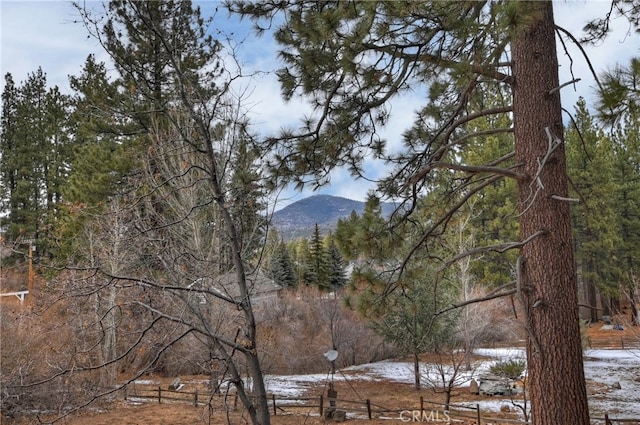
column 389, row 395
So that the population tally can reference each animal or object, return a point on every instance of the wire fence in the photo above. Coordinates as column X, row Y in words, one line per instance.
column 622, row 342
column 424, row 411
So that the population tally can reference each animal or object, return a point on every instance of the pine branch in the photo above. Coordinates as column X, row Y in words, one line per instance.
column 497, row 293
column 500, row 248
column 472, row 169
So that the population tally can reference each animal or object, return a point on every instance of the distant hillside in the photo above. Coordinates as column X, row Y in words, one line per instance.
column 299, row 219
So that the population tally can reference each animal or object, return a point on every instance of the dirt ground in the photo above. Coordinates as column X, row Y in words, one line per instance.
column 602, row 336
column 401, row 399
column 390, row 395
column 382, row 394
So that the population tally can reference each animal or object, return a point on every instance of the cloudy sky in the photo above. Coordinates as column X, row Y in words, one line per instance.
column 46, row 34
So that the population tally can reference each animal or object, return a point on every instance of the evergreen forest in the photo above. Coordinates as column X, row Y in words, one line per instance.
column 135, row 209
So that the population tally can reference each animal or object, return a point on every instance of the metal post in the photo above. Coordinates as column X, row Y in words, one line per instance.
column 30, row 272
column 273, row 399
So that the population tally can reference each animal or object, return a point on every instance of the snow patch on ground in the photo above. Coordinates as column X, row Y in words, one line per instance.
column 145, row 382
column 613, row 367
column 608, row 367
column 617, row 373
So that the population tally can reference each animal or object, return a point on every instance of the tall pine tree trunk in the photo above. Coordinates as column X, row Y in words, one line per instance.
column 109, row 372
column 416, row 370
column 548, row 282
column 635, row 318
column 592, row 295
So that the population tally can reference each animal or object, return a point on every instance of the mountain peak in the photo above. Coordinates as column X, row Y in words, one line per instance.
column 298, row 219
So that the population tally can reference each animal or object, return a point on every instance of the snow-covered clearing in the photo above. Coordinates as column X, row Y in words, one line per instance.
column 613, row 377
column 613, row 367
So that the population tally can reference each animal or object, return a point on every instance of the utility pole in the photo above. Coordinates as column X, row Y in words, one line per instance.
column 30, row 274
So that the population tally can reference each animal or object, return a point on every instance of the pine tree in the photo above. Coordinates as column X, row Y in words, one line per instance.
column 299, row 252
column 317, row 265
column 23, row 147
column 620, row 91
column 281, row 267
column 344, row 236
column 8, row 142
column 244, row 188
column 590, row 162
column 373, row 233
column 138, row 29
column 101, row 161
column 36, row 152
column 618, row 105
column 367, row 236
column 352, row 58
column 626, row 172
column 492, row 212
column 196, row 184
column 411, row 322
column 337, row 278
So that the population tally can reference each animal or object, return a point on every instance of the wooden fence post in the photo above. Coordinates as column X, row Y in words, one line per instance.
column 421, row 405
column 369, row 408
column 273, row 399
column 321, row 405
column 195, row 398
column 159, row 395
column 478, row 411
column 606, row 419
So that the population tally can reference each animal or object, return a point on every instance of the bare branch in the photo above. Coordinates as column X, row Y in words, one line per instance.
column 67, row 371
column 192, row 328
column 497, row 293
column 99, row 395
column 553, row 143
column 444, row 219
column 482, row 133
column 594, row 74
column 592, row 307
column 500, row 248
column 553, row 90
column 563, row 198
column 472, row 169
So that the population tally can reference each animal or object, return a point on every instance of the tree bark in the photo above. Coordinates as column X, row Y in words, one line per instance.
column 109, row 344
column 548, row 281
column 592, row 297
column 447, row 397
column 259, row 408
column 635, row 319
column 416, row 370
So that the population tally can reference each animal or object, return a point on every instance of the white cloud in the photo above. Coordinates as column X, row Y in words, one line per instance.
column 617, row 48
column 43, row 33
column 269, row 111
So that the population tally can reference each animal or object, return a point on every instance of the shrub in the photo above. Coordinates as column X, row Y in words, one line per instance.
column 511, row 369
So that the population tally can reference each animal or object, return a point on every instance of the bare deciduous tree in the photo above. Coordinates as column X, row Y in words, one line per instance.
column 171, row 262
